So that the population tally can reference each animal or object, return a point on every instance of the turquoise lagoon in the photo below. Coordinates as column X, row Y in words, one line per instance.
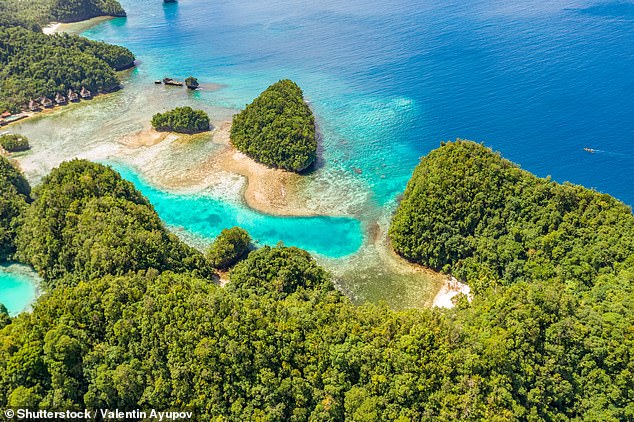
column 18, row 287
column 536, row 80
column 203, row 217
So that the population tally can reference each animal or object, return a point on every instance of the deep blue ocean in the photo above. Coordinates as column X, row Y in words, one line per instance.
column 536, row 80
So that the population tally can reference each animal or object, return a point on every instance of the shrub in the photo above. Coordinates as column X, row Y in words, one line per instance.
column 229, row 247
column 14, row 143
column 181, row 120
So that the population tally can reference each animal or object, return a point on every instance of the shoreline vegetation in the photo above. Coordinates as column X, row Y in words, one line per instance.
column 266, row 190
column 44, row 68
column 128, row 304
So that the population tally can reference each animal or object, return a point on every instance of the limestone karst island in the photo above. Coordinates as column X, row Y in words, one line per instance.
column 316, row 211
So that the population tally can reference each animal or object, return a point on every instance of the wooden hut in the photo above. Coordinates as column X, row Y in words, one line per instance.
column 60, row 99
column 73, row 96
column 85, row 94
column 34, row 105
column 46, row 102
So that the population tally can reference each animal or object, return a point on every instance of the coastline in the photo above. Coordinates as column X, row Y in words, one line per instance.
column 268, row 190
column 263, row 189
column 449, row 290
column 52, row 28
column 74, row 27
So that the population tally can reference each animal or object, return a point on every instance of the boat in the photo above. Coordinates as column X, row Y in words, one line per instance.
column 158, row 82
column 170, row 81
column 590, row 150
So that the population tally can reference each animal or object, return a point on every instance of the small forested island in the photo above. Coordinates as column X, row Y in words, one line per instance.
column 14, row 142
column 181, row 120
column 133, row 317
column 39, row 67
column 192, row 83
column 277, row 128
column 33, row 14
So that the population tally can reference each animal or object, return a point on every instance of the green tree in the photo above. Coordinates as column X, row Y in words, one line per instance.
column 14, row 198
column 181, row 120
column 230, row 245
column 86, row 221
column 14, row 142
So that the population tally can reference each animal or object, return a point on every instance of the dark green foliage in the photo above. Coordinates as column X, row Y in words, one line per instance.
column 181, row 120
column 33, row 64
column 79, row 10
column 279, row 343
column 5, row 319
column 469, row 212
column 191, row 82
column 14, row 143
column 277, row 128
column 230, row 245
column 14, row 196
column 527, row 352
column 32, row 13
column 278, row 272
column 86, row 222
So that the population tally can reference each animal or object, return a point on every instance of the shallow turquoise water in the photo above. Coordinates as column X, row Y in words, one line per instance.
column 204, row 217
column 18, row 288
column 537, row 80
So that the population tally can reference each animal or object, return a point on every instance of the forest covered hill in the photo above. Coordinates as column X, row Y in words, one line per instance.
column 35, row 13
column 280, row 343
column 277, row 128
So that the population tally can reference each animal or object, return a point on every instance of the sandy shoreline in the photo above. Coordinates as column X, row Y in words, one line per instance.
column 52, row 28
column 74, row 27
column 267, row 190
column 451, row 288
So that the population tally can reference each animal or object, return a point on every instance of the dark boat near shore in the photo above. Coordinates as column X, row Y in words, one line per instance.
column 170, row 81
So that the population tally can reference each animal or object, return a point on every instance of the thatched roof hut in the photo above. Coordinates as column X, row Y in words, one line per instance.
column 46, row 102
column 34, row 105
column 73, row 96
column 84, row 93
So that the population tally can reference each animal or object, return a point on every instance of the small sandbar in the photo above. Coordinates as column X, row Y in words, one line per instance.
column 208, row 162
column 145, row 138
column 268, row 190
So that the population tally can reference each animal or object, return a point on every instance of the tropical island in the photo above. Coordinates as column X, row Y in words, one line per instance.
column 133, row 317
column 181, row 120
column 277, row 129
column 35, row 14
